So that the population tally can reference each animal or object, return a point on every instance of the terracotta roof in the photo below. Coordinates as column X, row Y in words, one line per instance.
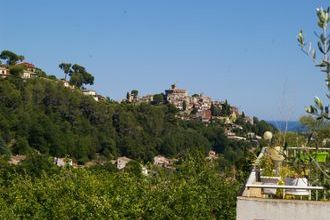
column 28, row 65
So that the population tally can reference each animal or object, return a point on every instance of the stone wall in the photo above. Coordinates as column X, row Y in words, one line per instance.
column 275, row 209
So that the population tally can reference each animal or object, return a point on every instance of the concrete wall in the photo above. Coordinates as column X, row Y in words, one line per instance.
column 274, row 209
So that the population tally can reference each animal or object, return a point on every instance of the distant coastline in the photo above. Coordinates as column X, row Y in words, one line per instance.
column 293, row 126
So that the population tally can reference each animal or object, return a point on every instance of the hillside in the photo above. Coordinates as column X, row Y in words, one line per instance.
column 43, row 114
column 42, row 117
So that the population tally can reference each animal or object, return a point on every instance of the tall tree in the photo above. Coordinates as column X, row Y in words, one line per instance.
column 225, row 110
column 319, row 110
column 184, row 105
column 215, row 110
column 16, row 70
column 158, row 99
column 10, row 57
column 79, row 76
column 66, row 67
column 135, row 93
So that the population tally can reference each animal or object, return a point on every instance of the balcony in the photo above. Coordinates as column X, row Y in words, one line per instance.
column 280, row 188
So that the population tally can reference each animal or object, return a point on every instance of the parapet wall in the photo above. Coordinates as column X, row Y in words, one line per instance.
column 275, row 209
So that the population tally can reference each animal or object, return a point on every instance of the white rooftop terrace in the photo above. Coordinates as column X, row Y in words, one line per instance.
column 266, row 197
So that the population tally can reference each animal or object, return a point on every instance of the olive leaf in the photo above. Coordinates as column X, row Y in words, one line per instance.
column 318, row 103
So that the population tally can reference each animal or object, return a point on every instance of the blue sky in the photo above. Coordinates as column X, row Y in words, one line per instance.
column 243, row 51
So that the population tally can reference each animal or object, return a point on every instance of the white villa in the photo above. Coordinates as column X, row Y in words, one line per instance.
column 4, row 72
column 91, row 93
column 29, row 70
column 62, row 162
column 161, row 161
column 122, row 162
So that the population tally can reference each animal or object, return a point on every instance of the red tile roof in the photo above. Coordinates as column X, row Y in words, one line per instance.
column 28, row 65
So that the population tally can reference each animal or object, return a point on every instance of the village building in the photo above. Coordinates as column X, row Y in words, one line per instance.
column 223, row 119
column 122, row 162
column 100, row 98
column 233, row 117
column 29, row 70
column 67, row 84
column 232, row 135
column 177, row 97
column 63, row 162
column 217, row 104
column 146, row 99
column 17, row 159
column 204, row 115
column 91, row 93
column 145, row 171
column 251, row 135
column 212, row 155
column 235, row 110
column 249, row 120
column 131, row 98
column 236, row 126
column 200, row 102
column 229, row 133
column 197, row 106
column 4, row 72
column 236, row 138
column 162, row 161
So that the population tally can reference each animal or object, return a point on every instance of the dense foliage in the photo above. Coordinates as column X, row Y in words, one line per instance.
column 10, row 57
column 42, row 114
column 197, row 190
column 42, row 118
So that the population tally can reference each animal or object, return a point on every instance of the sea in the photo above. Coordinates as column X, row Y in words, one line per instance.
column 293, row 126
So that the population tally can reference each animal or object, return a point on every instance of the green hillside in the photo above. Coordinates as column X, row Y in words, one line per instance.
column 42, row 114
column 42, row 117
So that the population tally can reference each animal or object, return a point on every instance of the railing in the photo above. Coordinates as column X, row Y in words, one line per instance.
column 284, row 187
column 309, row 148
column 289, row 187
column 295, row 149
column 294, row 190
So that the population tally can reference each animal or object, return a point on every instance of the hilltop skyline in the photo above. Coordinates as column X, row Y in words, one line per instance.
column 243, row 52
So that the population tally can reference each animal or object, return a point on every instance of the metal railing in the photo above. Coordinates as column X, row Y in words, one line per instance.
column 290, row 187
column 294, row 190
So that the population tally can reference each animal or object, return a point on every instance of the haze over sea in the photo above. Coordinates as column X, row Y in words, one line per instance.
column 293, row 126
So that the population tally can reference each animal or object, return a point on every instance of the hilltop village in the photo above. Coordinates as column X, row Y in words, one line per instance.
column 202, row 108
column 195, row 107
column 52, row 128
column 234, row 124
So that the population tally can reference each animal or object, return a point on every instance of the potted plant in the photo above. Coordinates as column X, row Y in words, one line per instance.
column 267, row 166
column 321, row 157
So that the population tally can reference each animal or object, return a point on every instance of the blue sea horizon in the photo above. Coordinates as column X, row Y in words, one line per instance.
column 293, row 126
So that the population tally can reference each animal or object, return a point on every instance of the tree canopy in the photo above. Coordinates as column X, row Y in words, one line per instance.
column 66, row 67
column 37, row 189
column 43, row 115
column 10, row 57
column 78, row 74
